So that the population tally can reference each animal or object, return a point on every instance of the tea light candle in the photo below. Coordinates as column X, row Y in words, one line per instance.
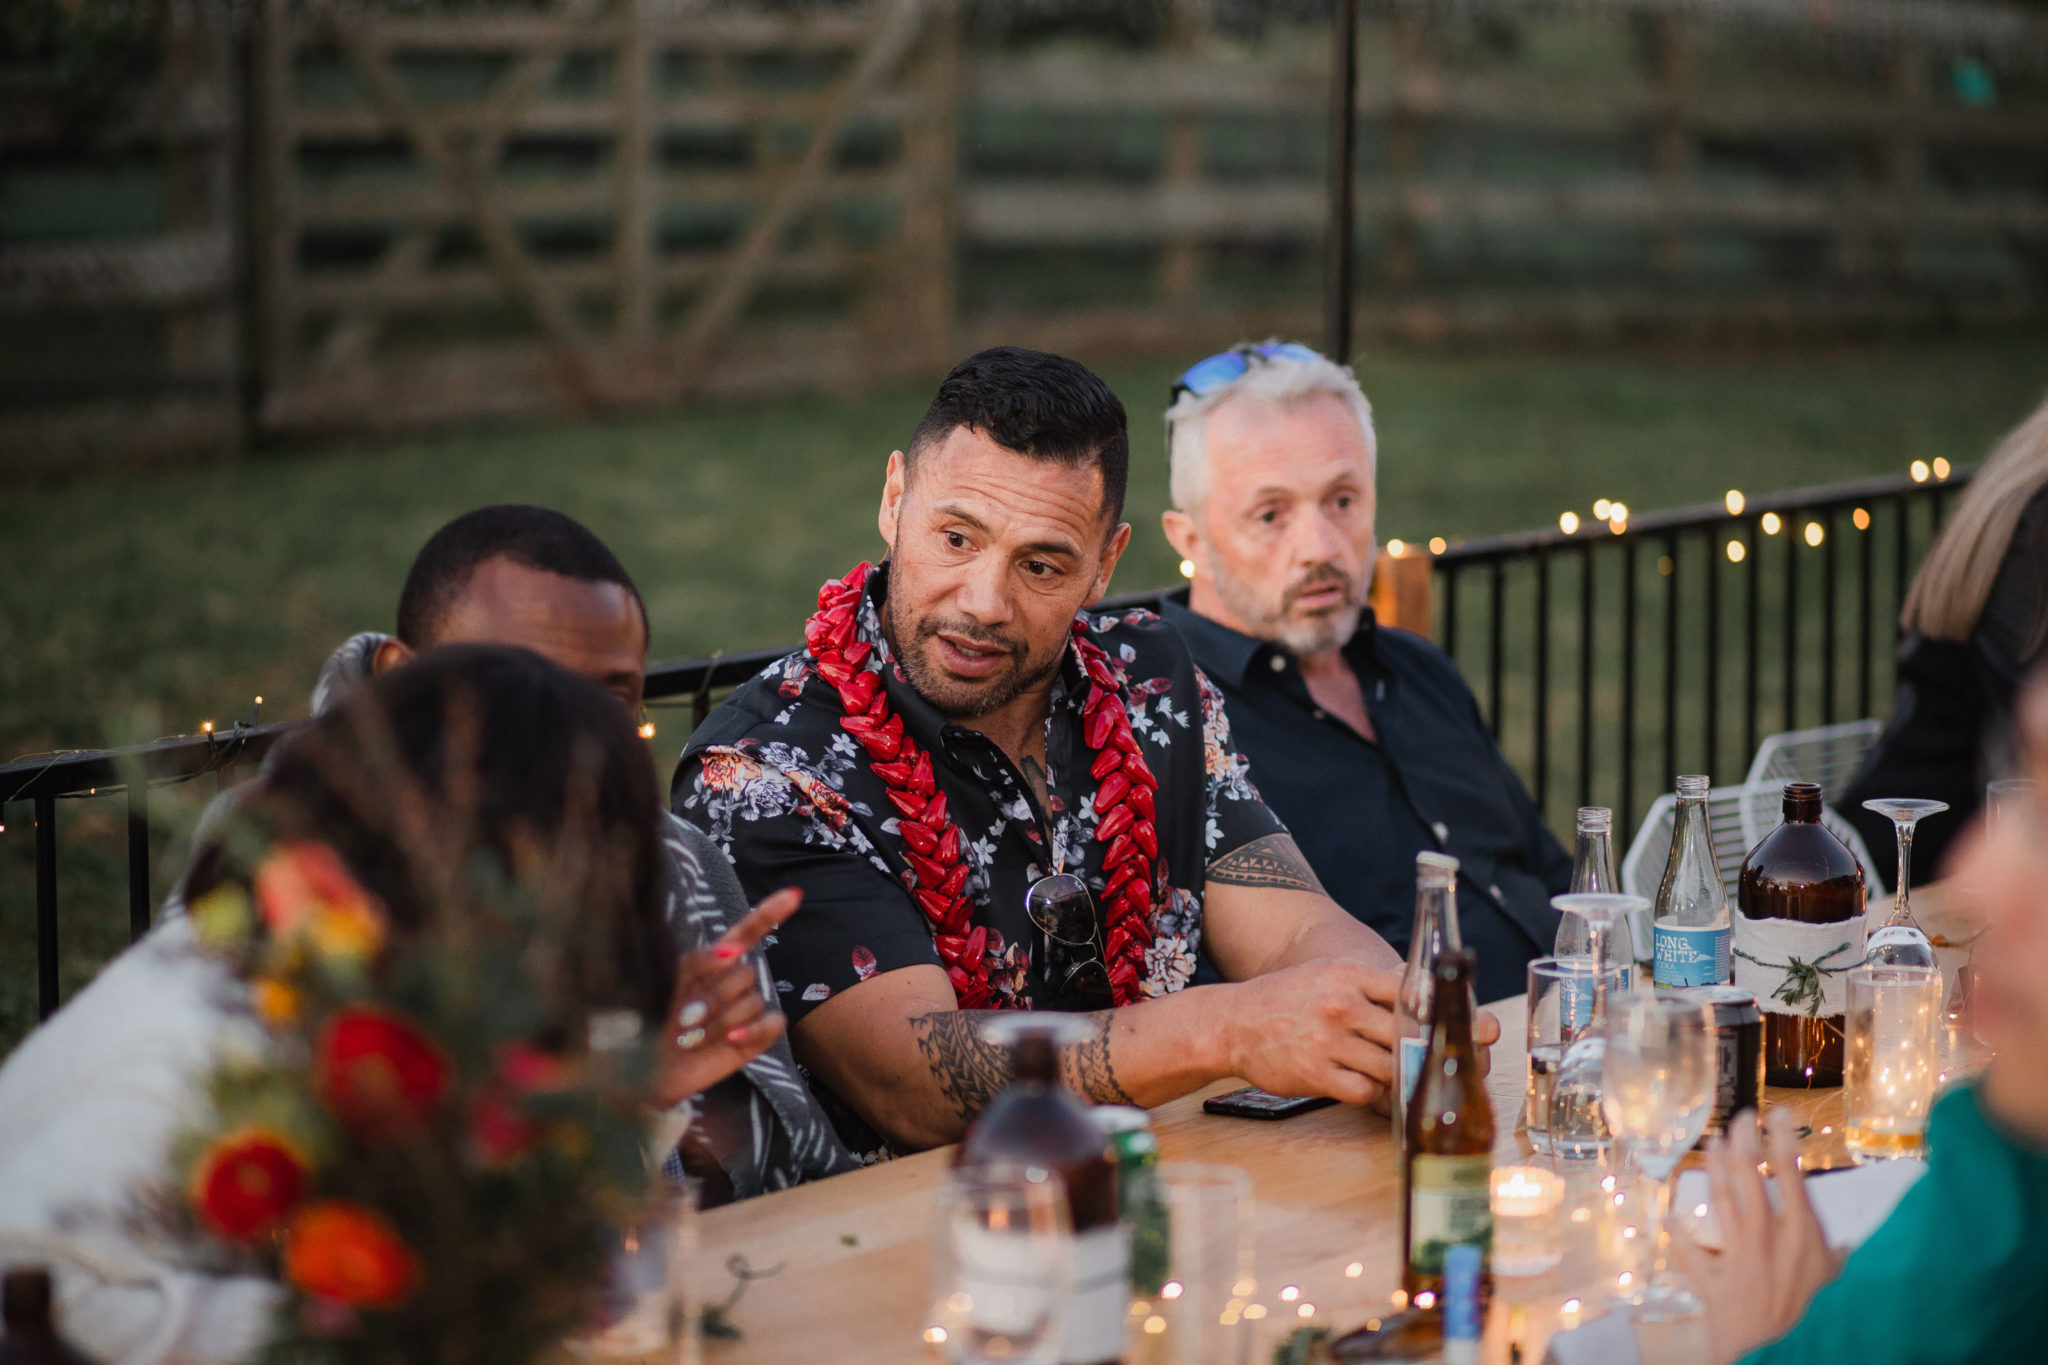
column 1525, row 1201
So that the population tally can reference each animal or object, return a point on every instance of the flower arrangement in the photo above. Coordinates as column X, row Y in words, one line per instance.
column 426, row 1156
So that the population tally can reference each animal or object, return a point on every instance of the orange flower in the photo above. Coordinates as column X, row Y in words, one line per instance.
column 303, row 889
column 377, row 1073
column 276, row 1003
column 247, row 1182
column 347, row 1254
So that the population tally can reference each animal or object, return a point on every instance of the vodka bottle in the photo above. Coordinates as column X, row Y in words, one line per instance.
column 1435, row 932
column 1692, row 927
column 1593, row 870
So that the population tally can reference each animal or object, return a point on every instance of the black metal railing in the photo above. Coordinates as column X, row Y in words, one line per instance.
column 1611, row 658
column 1618, row 755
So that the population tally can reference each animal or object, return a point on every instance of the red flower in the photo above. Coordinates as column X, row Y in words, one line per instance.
column 347, row 1254
column 499, row 1130
column 377, row 1073
column 247, row 1182
column 529, row 1070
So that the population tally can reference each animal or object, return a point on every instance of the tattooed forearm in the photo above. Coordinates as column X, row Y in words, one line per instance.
column 970, row 1070
column 1088, row 1069
column 1273, row 863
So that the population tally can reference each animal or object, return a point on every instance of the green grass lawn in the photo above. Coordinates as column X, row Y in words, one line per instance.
column 144, row 605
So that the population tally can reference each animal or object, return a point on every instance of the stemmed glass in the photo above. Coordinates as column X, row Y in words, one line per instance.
column 1001, row 1266
column 1899, row 941
column 1659, row 1091
column 1578, row 1132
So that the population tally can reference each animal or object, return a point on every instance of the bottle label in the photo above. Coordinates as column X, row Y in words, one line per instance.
column 1691, row 955
column 1449, row 1204
column 1796, row 968
column 1098, row 1306
column 1008, row 1287
column 1408, row 1068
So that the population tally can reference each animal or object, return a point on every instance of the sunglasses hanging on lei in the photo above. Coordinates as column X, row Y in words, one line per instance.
column 933, row 845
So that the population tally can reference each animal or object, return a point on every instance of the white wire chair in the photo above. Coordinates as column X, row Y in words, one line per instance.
column 1826, row 754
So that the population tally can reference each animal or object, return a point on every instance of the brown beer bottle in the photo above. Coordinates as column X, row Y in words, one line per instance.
column 30, row 1327
column 1035, row 1120
column 1445, row 1194
column 1798, row 929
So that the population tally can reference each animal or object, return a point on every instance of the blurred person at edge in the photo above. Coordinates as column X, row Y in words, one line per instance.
column 93, row 1102
column 1976, row 623
column 512, row 574
column 1955, row 1274
column 1364, row 739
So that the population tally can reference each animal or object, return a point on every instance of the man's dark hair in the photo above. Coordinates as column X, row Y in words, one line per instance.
column 1037, row 404
column 535, row 537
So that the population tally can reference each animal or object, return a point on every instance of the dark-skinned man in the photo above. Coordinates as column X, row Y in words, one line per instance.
column 961, row 732
column 532, row 577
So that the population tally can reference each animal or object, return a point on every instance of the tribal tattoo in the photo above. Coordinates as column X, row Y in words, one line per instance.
column 970, row 1070
column 1273, row 863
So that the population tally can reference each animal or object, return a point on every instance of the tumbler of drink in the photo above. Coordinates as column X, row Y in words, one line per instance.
column 1893, row 1059
column 651, row 1307
column 1197, row 1317
column 1560, row 1002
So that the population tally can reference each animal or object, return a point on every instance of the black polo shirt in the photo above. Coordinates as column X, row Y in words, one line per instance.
column 1361, row 811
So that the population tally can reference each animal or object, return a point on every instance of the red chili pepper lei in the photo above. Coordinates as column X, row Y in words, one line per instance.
column 933, row 843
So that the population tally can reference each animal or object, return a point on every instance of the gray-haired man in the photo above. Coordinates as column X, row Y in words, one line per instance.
column 1363, row 739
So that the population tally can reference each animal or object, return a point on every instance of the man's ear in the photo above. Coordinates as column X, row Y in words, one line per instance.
column 893, row 488
column 389, row 655
column 1119, row 541
column 1182, row 534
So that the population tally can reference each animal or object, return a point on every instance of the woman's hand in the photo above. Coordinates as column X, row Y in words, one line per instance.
column 719, row 1020
column 1771, row 1263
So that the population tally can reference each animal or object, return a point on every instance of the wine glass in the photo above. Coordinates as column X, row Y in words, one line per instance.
column 1002, row 1256
column 1899, row 941
column 1578, row 1132
column 1660, row 1078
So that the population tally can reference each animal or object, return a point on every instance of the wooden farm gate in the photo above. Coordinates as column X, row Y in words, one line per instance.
column 595, row 203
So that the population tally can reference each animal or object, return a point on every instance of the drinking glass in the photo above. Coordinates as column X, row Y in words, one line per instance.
column 1560, row 1002
column 1197, row 1318
column 651, row 1304
column 1578, row 1130
column 1002, row 1258
column 1899, row 941
column 1660, row 1075
column 1892, row 1060
column 2008, row 799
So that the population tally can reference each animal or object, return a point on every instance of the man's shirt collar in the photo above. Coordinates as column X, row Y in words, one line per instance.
column 1232, row 658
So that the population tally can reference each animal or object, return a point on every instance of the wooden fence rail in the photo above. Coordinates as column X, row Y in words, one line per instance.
column 591, row 204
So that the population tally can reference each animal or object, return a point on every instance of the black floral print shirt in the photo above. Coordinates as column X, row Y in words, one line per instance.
column 789, row 796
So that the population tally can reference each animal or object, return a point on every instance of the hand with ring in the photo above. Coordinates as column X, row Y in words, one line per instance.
column 719, row 1019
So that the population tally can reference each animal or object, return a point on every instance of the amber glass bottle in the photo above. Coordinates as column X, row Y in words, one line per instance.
column 30, row 1326
column 1035, row 1120
column 1445, row 1199
column 1798, row 930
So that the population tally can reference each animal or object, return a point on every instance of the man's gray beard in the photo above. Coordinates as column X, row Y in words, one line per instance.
column 952, row 699
column 1302, row 638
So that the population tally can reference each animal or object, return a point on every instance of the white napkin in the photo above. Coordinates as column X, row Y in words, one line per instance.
column 1848, row 1204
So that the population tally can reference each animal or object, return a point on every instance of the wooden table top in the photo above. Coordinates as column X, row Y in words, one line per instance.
column 854, row 1249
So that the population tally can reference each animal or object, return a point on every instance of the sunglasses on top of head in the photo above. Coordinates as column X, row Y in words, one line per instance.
column 1224, row 368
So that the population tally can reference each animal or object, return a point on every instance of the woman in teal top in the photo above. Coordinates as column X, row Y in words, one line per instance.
column 1959, row 1272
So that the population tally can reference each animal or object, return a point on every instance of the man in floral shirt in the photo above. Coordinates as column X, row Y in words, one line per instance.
column 959, row 737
